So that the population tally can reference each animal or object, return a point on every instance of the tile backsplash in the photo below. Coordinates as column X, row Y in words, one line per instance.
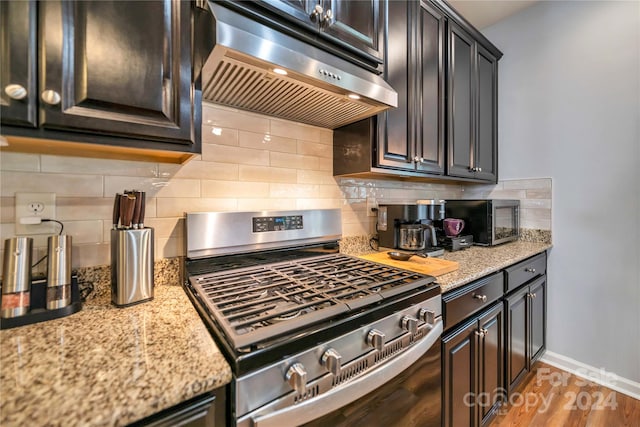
column 248, row 162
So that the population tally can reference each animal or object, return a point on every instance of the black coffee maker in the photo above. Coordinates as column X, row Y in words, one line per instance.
column 411, row 227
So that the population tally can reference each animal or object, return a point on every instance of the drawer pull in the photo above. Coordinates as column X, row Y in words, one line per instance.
column 530, row 270
column 532, row 295
column 482, row 298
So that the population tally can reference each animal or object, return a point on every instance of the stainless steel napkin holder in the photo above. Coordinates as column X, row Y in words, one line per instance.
column 132, row 256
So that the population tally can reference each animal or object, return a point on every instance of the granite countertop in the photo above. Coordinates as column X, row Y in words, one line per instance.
column 108, row 366
column 477, row 261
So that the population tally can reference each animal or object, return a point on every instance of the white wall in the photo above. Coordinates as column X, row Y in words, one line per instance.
column 569, row 109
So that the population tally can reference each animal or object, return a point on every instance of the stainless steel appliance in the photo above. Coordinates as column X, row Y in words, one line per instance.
column 16, row 276
column 411, row 227
column 490, row 221
column 308, row 331
column 255, row 67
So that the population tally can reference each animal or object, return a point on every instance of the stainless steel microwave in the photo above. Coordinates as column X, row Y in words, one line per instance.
column 490, row 221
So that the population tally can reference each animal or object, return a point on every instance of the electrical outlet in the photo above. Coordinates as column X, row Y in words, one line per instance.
column 36, row 205
column 372, row 206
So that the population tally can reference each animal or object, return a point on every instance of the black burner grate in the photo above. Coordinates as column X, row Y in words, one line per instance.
column 260, row 302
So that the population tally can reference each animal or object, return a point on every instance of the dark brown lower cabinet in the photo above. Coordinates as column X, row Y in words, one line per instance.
column 473, row 369
column 526, row 318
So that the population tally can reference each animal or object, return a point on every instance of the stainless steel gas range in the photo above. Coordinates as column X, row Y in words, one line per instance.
column 313, row 336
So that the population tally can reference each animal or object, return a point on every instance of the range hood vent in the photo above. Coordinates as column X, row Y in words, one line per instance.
column 319, row 88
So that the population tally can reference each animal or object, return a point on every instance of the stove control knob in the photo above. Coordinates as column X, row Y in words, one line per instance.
column 427, row 316
column 297, row 377
column 410, row 324
column 331, row 360
column 375, row 339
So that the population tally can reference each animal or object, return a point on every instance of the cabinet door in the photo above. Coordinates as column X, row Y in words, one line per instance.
column 18, row 72
column 298, row 11
column 395, row 129
column 460, row 142
column 358, row 25
column 118, row 68
column 459, row 370
column 486, row 153
column 429, row 116
column 517, row 337
column 490, row 362
column 538, row 303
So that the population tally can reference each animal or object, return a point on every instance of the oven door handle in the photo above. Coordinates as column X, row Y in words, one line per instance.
column 338, row 397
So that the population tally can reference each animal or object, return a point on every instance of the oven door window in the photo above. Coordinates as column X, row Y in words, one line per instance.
column 506, row 223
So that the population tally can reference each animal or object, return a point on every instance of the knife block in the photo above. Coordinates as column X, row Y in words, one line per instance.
column 132, row 256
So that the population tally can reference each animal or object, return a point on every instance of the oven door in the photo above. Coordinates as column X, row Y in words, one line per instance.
column 505, row 226
column 406, row 391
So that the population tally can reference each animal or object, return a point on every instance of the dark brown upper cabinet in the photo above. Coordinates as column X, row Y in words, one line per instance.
column 18, row 68
column 445, row 126
column 111, row 72
column 353, row 26
column 409, row 139
column 472, row 86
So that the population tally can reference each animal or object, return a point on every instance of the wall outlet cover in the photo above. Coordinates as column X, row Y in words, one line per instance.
column 38, row 205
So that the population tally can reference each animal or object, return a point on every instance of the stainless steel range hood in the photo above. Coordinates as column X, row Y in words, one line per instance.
column 319, row 88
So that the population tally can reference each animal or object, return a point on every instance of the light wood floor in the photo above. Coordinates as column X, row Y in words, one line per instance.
column 550, row 397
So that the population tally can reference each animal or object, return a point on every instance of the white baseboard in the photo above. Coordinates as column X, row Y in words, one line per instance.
column 599, row 376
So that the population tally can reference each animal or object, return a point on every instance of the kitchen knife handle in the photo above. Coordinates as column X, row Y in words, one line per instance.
column 129, row 204
column 116, row 211
column 123, row 209
column 143, row 201
column 136, row 208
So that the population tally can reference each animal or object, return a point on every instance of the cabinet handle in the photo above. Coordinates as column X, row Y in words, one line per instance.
column 480, row 333
column 485, row 332
column 328, row 15
column 530, row 270
column 418, row 159
column 51, row 97
column 479, row 170
column 482, row 298
column 533, row 295
column 316, row 13
column 15, row 91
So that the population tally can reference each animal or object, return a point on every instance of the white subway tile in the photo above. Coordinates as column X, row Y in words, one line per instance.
column 7, row 209
column 315, row 149
column 236, row 155
column 200, row 170
column 318, row 203
column 527, row 184
column 298, row 161
column 536, row 204
column 266, row 203
column 234, row 189
column 69, row 185
column 267, row 174
column 296, row 130
column 169, row 247
column 80, row 165
column 219, row 135
column 83, row 208
column 154, row 187
column 84, row 231
column 266, row 141
column 176, row 207
column 84, row 255
column 7, row 230
column 20, row 162
column 539, row 194
column 315, row 177
column 220, row 116
column 166, row 227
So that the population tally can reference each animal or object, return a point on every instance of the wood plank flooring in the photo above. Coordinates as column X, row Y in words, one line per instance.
column 551, row 397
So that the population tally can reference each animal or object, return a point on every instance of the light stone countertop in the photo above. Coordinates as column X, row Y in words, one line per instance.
column 108, row 366
column 477, row 261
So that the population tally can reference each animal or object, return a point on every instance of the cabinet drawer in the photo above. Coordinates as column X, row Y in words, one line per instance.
column 461, row 303
column 524, row 271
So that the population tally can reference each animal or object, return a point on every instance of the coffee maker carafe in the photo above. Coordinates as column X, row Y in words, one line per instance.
column 410, row 227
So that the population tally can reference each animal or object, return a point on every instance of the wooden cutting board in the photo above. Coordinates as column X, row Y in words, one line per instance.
column 430, row 266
